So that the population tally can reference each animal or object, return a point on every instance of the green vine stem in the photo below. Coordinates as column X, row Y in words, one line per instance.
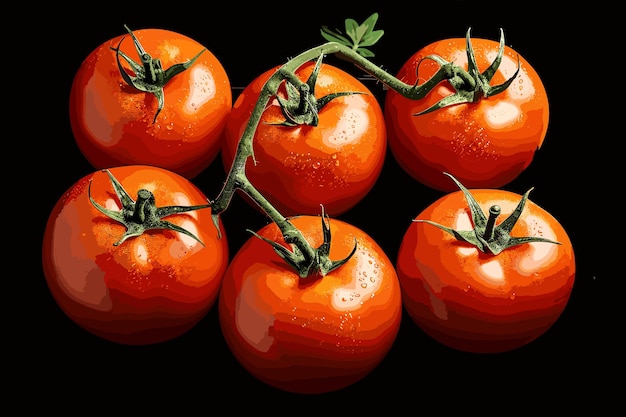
column 237, row 179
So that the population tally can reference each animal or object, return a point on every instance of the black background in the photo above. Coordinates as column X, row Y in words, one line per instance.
column 566, row 366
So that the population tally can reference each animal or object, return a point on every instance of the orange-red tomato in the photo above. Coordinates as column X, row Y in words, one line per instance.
column 485, row 144
column 310, row 336
column 335, row 163
column 481, row 302
column 114, row 123
column 147, row 289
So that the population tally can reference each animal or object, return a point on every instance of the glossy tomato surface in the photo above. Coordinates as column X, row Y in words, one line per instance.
column 485, row 144
column 574, row 355
column 310, row 336
column 480, row 302
column 114, row 123
column 335, row 163
column 147, row 289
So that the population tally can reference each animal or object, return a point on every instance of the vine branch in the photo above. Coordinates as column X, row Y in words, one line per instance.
column 352, row 51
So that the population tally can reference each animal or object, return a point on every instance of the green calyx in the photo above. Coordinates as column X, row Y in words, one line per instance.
column 301, row 107
column 471, row 85
column 150, row 77
column 309, row 266
column 143, row 214
column 486, row 235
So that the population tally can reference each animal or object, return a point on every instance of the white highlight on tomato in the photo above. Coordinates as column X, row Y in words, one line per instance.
column 188, row 241
column 365, row 281
column 540, row 254
column 140, row 253
column 112, row 204
column 501, row 115
column 351, row 124
column 492, row 272
column 201, row 88
column 463, row 221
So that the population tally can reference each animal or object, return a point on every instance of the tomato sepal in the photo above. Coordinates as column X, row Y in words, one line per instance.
column 471, row 85
column 318, row 265
column 142, row 215
column 150, row 76
column 486, row 235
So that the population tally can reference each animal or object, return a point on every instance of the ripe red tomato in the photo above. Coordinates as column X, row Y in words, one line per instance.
column 484, row 144
column 335, row 163
column 148, row 288
column 115, row 123
column 310, row 336
column 485, row 302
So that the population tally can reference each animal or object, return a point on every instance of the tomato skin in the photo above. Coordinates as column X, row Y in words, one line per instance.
column 486, row 144
column 112, row 122
column 483, row 303
column 310, row 337
column 335, row 163
column 150, row 288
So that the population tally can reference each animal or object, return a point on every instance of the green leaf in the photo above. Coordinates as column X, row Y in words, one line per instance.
column 371, row 38
column 370, row 22
column 357, row 36
column 352, row 28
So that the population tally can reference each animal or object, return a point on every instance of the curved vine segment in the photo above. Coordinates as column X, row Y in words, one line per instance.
column 486, row 236
column 149, row 75
column 471, row 85
column 307, row 267
column 143, row 214
column 309, row 261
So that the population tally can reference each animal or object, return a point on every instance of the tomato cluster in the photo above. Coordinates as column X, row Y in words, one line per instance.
column 136, row 254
